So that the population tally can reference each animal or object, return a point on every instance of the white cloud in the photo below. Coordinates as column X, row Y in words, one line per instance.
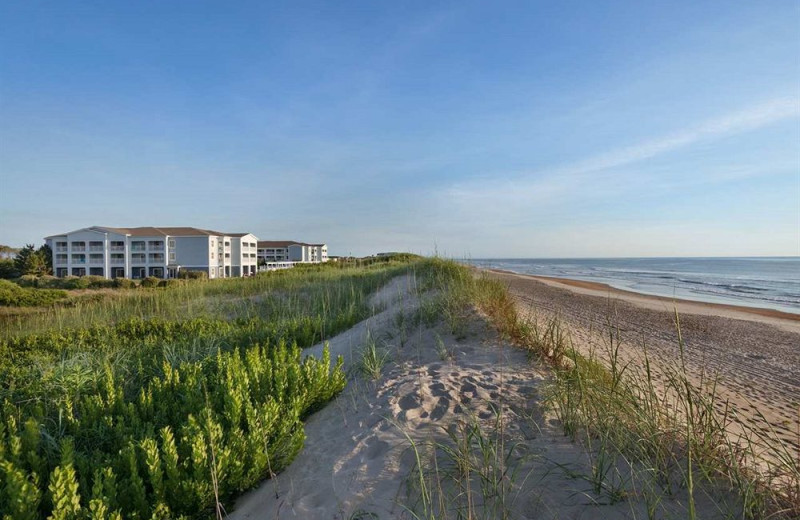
column 593, row 174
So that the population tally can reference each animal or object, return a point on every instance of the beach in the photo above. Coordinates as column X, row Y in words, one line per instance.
column 753, row 354
column 367, row 454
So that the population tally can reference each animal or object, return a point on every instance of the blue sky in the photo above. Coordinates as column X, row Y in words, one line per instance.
column 480, row 129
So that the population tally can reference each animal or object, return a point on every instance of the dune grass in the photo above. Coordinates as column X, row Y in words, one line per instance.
column 647, row 439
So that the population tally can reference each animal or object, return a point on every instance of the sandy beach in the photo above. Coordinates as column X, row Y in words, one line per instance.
column 754, row 353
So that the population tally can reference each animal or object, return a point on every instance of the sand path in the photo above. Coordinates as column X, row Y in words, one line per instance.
column 357, row 462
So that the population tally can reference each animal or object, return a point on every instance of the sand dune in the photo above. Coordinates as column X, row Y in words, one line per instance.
column 436, row 393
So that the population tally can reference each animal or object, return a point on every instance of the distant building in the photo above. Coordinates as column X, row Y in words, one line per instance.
column 161, row 252
column 275, row 251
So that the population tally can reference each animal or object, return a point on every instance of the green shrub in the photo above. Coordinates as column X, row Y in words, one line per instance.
column 171, row 283
column 28, row 280
column 75, row 282
column 12, row 295
column 150, row 281
column 124, row 283
column 98, row 282
column 7, row 269
column 49, row 282
column 192, row 275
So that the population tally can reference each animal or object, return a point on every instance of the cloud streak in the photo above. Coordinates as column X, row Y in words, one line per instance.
column 545, row 184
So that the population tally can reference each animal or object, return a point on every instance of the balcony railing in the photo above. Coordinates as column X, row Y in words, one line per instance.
column 79, row 248
column 117, row 261
column 96, row 261
column 155, row 248
column 117, row 248
column 61, row 249
column 95, row 248
column 137, row 248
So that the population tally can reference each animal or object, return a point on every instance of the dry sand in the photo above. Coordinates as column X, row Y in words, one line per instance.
column 357, row 462
column 755, row 353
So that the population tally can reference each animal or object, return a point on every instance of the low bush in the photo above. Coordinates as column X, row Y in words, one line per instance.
column 150, row 281
column 193, row 275
column 124, row 283
column 75, row 282
column 98, row 282
column 28, row 280
column 12, row 295
column 170, row 283
column 49, row 282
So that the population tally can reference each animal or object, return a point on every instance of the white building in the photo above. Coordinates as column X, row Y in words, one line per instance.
column 149, row 251
column 274, row 251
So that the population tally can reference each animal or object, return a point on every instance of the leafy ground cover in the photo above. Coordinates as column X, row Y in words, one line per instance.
column 166, row 403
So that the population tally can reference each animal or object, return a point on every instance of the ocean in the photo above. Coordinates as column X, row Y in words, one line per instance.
column 766, row 282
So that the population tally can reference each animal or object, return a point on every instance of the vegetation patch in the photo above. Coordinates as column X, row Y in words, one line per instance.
column 12, row 295
column 167, row 404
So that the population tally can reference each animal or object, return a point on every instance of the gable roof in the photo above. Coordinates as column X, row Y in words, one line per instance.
column 279, row 243
column 154, row 231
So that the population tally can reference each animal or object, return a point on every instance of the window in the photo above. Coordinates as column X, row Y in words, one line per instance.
column 212, row 243
column 227, row 244
column 172, row 243
column 138, row 245
column 96, row 271
column 212, row 255
column 61, row 272
column 78, row 271
column 172, row 257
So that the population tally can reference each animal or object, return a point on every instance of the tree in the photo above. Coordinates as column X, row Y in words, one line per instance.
column 47, row 256
column 30, row 261
column 7, row 269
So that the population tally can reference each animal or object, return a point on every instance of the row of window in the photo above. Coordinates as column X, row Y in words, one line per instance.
column 115, row 258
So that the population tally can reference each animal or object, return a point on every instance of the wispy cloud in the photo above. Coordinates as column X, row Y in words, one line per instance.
column 546, row 185
column 746, row 120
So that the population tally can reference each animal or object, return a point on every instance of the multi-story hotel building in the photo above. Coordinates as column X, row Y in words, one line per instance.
column 153, row 251
column 272, row 251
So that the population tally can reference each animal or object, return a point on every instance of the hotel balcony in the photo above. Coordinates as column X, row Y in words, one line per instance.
column 137, row 248
column 79, row 248
column 96, row 259
column 117, row 259
column 117, row 248
column 155, row 258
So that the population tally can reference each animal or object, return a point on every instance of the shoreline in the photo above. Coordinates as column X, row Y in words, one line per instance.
column 785, row 320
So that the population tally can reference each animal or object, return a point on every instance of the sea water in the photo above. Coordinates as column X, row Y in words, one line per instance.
column 766, row 282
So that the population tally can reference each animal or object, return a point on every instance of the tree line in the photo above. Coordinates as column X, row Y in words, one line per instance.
column 16, row 262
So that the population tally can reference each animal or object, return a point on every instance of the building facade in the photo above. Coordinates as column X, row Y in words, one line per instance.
column 161, row 252
column 281, row 251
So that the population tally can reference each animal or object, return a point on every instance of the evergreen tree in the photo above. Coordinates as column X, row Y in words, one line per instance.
column 30, row 261
column 46, row 254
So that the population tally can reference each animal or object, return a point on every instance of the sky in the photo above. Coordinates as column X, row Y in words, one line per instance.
column 465, row 129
